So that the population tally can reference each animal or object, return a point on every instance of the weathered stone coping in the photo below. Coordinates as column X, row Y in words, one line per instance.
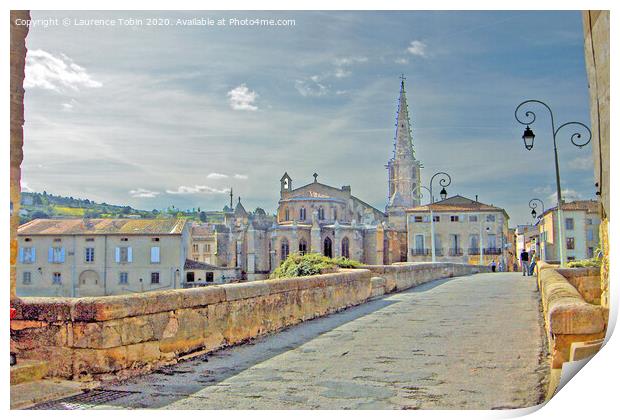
column 569, row 318
column 119, row 336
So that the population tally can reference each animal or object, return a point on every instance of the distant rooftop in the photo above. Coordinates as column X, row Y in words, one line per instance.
column 102, row 227
column 456, row 203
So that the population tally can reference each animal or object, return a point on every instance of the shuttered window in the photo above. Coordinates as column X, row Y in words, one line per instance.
column 123, row 254
column 56, row 255
column 155, row 255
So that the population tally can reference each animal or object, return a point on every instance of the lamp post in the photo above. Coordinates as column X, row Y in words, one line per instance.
column 444, row 181
column 534, row 205
column 528, row 140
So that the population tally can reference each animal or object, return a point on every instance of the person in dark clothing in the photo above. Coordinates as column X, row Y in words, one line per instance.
column 525, row 266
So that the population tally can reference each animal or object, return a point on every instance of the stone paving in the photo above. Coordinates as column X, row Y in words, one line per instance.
column 473, row 342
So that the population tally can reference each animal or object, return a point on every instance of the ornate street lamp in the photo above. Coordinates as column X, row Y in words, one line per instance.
column 444, row 181
column 528, row 139
column 534, row 205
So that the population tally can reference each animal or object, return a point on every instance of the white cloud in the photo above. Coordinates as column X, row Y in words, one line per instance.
column 46, row 71
column 567, row 195
column 240, row 176
column 215, row 175
column 197, row 189
column 401, row 60
column 311, row 87
column 347, row 61
column 242, row 99
column 543, row 190
column 340, row 73
column 581, row 163
column 143, row 193
column 417, row 48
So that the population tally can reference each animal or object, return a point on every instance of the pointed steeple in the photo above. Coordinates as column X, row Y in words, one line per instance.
column 403, row 144
column 240, row 210
column 403, row 168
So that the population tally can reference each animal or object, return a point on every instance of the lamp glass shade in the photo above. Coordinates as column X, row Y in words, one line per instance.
column 528, row 138
column 533, row 213
column 443, row 193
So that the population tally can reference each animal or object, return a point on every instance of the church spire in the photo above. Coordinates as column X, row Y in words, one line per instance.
column 403, row 168
column 403, row 144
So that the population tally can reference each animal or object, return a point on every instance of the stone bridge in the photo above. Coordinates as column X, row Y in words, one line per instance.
column 457, row 340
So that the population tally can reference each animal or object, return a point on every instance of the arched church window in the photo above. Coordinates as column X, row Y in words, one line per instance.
column 345, row 247
column 327, row 247
column 302, row 213
column 321, row 213
column 335, row 213
column 303, row 246
column 286, row 214
column 284, row 249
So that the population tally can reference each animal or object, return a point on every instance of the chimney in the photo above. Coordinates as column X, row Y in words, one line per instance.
column 476, row 197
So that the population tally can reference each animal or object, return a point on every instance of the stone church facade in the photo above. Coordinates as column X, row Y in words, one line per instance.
column 318, row 218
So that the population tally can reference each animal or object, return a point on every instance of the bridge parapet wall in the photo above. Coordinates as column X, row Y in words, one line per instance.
column 120, row 336
column 575, row 321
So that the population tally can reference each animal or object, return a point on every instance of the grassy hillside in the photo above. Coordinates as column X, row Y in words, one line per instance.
column 43, row 205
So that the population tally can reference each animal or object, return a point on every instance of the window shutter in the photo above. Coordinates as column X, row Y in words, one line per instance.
column 62, row 255
column 155, row 254
column 129, row 256
column 50, row 254
column 33, row 254
column 117, row 254
column 21, row 255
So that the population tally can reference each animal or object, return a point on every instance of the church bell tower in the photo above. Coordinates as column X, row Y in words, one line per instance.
column 403, row 168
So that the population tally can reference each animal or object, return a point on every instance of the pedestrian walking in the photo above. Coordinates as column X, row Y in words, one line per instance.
column 533, row 260
column 525, row 258
column 493, row 266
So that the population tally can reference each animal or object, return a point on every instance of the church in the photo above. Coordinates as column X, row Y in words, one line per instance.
column 319, row 218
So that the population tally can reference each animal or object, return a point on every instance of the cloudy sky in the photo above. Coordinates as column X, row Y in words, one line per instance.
column 176, row 115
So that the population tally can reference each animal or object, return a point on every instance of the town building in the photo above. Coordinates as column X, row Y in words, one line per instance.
column 98, row 257
column 527, row 238
column 463, row 229
column 581, row 220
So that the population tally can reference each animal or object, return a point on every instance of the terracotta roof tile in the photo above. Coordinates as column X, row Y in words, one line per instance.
column 102, row 227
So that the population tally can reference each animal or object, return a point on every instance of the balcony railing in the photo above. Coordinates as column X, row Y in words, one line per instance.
column 473, row 251
column 455, row 252
column 492, row 251
column 420, row 251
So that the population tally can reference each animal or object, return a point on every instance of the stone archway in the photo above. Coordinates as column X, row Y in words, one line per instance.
column 89, row 284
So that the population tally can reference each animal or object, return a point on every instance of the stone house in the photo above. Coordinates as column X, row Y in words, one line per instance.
column 581, row 231
column 98, row 257
column 463, row 227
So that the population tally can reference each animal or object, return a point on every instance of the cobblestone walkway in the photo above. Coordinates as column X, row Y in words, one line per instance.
column 472, row 342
